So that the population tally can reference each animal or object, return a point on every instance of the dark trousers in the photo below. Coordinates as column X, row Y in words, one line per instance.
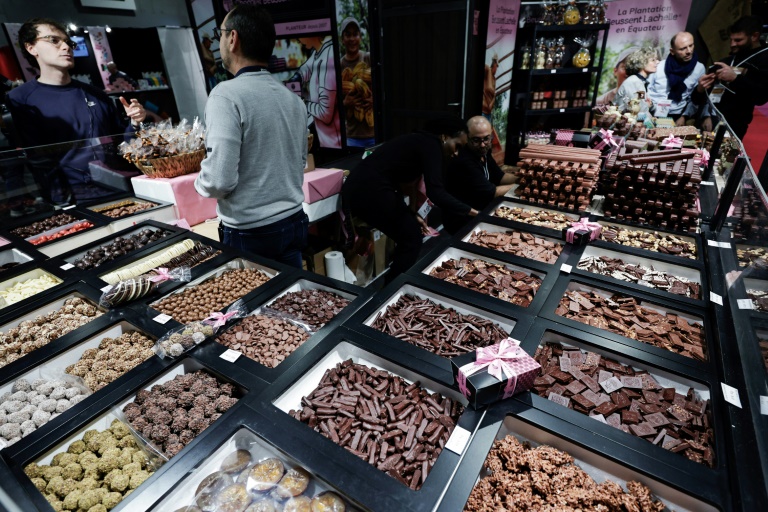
column 281, row 241
column 382, row 207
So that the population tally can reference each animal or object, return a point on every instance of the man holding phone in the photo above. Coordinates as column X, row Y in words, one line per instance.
column 736, row 84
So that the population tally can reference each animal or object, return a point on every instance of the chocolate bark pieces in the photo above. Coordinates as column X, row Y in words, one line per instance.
column 655, row 241
column 518, row 243
column 642, row 275
column 543, row 218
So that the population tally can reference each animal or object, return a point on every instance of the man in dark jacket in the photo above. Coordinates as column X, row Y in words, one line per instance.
column 737, row 82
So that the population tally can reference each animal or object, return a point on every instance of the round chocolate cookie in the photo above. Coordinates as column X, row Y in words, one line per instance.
column 294, row 482
column 264, row 505
column 328, row 502
column 234, row 498
column 298, row 504
column 236, row 461
column 265, row 474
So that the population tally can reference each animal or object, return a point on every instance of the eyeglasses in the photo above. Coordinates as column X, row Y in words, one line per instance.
column 217, row 32
column 481, row 140
column 56, row 41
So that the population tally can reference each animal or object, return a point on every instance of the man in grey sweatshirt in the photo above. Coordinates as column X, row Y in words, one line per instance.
column 256, row 138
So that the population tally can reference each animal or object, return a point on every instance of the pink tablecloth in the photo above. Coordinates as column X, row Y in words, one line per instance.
column 180, row 191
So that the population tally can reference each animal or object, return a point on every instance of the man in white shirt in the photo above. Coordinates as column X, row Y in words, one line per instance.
column 674, row 80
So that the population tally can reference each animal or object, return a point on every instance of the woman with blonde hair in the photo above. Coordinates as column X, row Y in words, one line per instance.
column 640, row 65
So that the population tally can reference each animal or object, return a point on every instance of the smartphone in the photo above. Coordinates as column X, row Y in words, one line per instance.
column 713, row 68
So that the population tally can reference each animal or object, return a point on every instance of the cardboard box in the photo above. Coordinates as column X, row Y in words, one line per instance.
column 321, row 184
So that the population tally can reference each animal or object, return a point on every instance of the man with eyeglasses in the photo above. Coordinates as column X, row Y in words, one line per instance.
column 53, row 108
column 256, row 138
column 473, row 176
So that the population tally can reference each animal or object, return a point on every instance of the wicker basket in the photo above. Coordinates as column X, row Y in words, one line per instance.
column 172, row 166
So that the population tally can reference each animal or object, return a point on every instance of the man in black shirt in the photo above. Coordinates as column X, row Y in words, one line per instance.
column 736, row 84
column 474, row 177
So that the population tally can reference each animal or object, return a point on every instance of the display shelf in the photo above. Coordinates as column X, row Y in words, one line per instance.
column 688, row 314
column 512, row 319
column 354, row 477
column 552, row 111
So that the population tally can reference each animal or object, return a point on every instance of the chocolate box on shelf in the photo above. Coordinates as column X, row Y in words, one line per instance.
column 662, row 328
column 373, row 482
column 428, row 320
column 515, row 431
column 642, row 272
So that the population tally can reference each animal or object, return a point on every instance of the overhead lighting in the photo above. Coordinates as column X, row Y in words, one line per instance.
column 73, row 27
column 109, row 29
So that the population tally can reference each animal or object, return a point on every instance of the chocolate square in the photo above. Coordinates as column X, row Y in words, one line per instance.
column 613, row 420
column 620, row 399
column 611, row 385
column 565, row 364
column 575, row 387
column 656, row 419
column 630, row 417
column 650, row 397
column 603, row 375
column 559, row 399
column 606, row 408
column 632, row 382
column 591, row 383
column 583, row 401
column 643, row 430
column 577, row 374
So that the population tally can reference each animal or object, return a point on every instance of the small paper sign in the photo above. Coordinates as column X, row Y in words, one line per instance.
column 553, row 71
column 106, row 288
column 709, row 183
column 376, row 235
column 566, row 268
column 162, row 318
column 458, row 440
column 713, row 243
column 763, row 404
column 425, row 209
column 731, row 395
column 745, row 304
column 230, row 355
column 67, row 266
column 716, row 298
column 725, row 245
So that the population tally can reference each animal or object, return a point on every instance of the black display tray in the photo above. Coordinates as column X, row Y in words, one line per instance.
column 446, row 294
column 76, row 212
column 680, row 268
column 438, row 255
column 488, row 215
column 138, row 217
column 299, row 280
column 24, row 258
column 18, row 275
column 355, row 478
column 91, row 274
column 654, row 353
column 696, row 237
column 602, row 456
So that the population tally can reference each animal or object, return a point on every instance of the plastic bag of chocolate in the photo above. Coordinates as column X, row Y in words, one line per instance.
column 177, row 341
column 141, row 286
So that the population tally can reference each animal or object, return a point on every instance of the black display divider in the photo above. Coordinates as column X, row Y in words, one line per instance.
column 708, row 197
column 355, row 478
column 548, row 275
column 742, row 366
column 629, row 258
column 431, row 288
column 656, row 355
column 691, row 474
column 90, row 274
column 245, row 366
column 17, row 275
column 553, row 429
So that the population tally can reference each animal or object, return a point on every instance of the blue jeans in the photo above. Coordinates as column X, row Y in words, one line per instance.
column 282, row 241
column 361, row 143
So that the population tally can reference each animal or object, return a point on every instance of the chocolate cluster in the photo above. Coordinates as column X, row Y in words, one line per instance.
column 312, row 307
column 36, row 228
column 489, row 278
column 30, row 335
column 95, row 473
column 627, row 399
column 659, row 188
column 438, row 329
column 120, row 246
column 542, row 218
column 543, row 478
column 642, row 275
column 198, row 302
column 397, row 427
column 265, row 339
column 113, row 358
column 625, row 316
column 173, row 413
column 753, row 257
column 524, row 245
column 124, row 208
column 650, row 241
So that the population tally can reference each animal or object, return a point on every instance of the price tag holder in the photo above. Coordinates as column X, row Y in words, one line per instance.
column 162, row 318
column 67, row 266
column 763, row 404
column 562, row 110
column 458, row 440
column 745, row 304
column 717, row 299
column 69, row 207
column 230, row 355
column 566, row 268
column 731, row 395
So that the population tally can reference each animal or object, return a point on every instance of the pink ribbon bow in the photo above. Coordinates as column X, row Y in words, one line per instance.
column 607, row 136
column 672, row 142
column 220, row 319
column 583, row 225
column 496, row 358
column 162, row 275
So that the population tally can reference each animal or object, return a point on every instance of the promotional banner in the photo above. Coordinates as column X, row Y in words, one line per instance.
column 497, row 78
column 101, row 51
column 636, row 24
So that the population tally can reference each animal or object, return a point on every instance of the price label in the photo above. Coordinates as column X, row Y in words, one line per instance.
column 458, row 440
column 106, row 288
column 69, row 207
column 763, row 404
column 230, row 355
column 425, row 209
column 584, row 70
column 716, row 298
column 562, row 110
column 725, row 245
column 713, row 243
column 162, row 318
column 566, row 268
column 67, row 266
column 553, row 71
column 731, row 395
column 3, row 444
column 745, row 304
column 709, row 183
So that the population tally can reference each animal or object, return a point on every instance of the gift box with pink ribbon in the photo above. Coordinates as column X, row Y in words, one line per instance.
column 494, row 373
column 603, row 140
column 582, row 232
